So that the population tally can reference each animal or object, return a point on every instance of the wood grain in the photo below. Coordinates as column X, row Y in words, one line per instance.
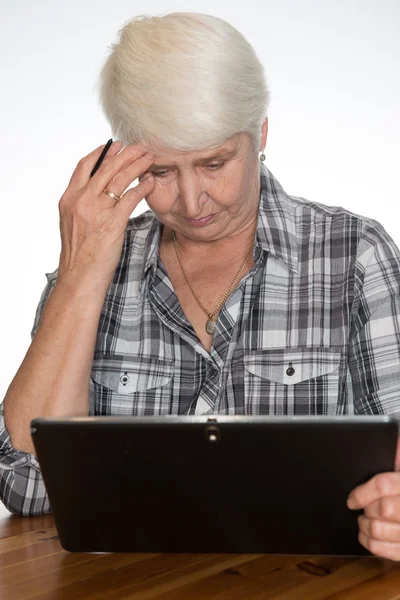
column 34, row 566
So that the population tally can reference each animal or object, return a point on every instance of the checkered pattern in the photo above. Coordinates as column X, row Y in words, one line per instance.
column 313, row 329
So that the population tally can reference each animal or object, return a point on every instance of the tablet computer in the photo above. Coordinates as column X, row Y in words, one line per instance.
column 250, row 484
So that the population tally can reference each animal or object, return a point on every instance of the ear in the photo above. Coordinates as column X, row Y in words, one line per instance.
column 264, row 134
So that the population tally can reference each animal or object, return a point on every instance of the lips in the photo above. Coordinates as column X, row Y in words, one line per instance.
column 202, row 221
column 202, row 218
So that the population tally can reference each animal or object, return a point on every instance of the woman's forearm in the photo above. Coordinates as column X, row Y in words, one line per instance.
column 53, row 379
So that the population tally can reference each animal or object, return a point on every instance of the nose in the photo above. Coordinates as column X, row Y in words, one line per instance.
column 193, row 195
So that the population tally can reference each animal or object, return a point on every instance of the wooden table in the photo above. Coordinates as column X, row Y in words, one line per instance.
column 33, row 565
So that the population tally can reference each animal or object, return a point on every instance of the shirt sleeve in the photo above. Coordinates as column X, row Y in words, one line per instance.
column 374, row 339
column 22, row 488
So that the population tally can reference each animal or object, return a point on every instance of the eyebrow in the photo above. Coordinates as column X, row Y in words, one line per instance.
column 220, row 154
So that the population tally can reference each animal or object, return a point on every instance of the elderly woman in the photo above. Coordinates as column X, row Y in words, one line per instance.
column 229, row 296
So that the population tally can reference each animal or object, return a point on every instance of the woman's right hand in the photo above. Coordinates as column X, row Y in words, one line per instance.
column 93, row 225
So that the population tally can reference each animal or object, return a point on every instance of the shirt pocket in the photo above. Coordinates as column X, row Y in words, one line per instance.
column 128, row 385
column 292, row 381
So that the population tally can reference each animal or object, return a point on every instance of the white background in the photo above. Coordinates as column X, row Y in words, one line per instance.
column 334, row 127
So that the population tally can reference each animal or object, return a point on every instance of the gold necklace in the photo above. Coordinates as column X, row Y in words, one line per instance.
column 211, row 323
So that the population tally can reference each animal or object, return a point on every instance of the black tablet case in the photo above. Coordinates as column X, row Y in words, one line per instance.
column 225, row 484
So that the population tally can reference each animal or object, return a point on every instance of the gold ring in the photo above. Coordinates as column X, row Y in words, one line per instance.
column 111, row 195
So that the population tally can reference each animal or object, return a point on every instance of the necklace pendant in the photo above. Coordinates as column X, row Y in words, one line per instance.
column 210, row 326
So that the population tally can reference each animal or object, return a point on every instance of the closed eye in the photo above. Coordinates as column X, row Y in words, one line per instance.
column 213, row 167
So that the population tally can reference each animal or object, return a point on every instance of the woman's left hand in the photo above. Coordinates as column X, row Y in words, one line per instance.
column 379, row 526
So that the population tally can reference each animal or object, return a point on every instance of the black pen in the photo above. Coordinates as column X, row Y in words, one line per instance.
column 102, row 155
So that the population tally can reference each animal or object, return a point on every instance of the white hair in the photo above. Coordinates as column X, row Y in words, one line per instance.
column 182, row 82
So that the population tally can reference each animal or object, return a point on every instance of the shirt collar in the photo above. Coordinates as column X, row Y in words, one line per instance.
column 276, row 227
column 151, row 246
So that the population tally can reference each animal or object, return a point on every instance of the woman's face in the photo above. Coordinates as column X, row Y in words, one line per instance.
column 207, row 195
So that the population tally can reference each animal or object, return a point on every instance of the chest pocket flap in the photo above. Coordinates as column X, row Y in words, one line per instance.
column 293, row 365
column 127, row 374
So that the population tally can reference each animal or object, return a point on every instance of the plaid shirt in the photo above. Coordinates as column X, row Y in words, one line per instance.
column 312, row 329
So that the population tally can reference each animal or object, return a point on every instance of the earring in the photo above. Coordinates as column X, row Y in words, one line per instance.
column 262, row 157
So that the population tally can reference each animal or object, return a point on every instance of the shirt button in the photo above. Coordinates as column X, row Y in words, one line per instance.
column 290, row 371
column 212, row 371
column 124, row 379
